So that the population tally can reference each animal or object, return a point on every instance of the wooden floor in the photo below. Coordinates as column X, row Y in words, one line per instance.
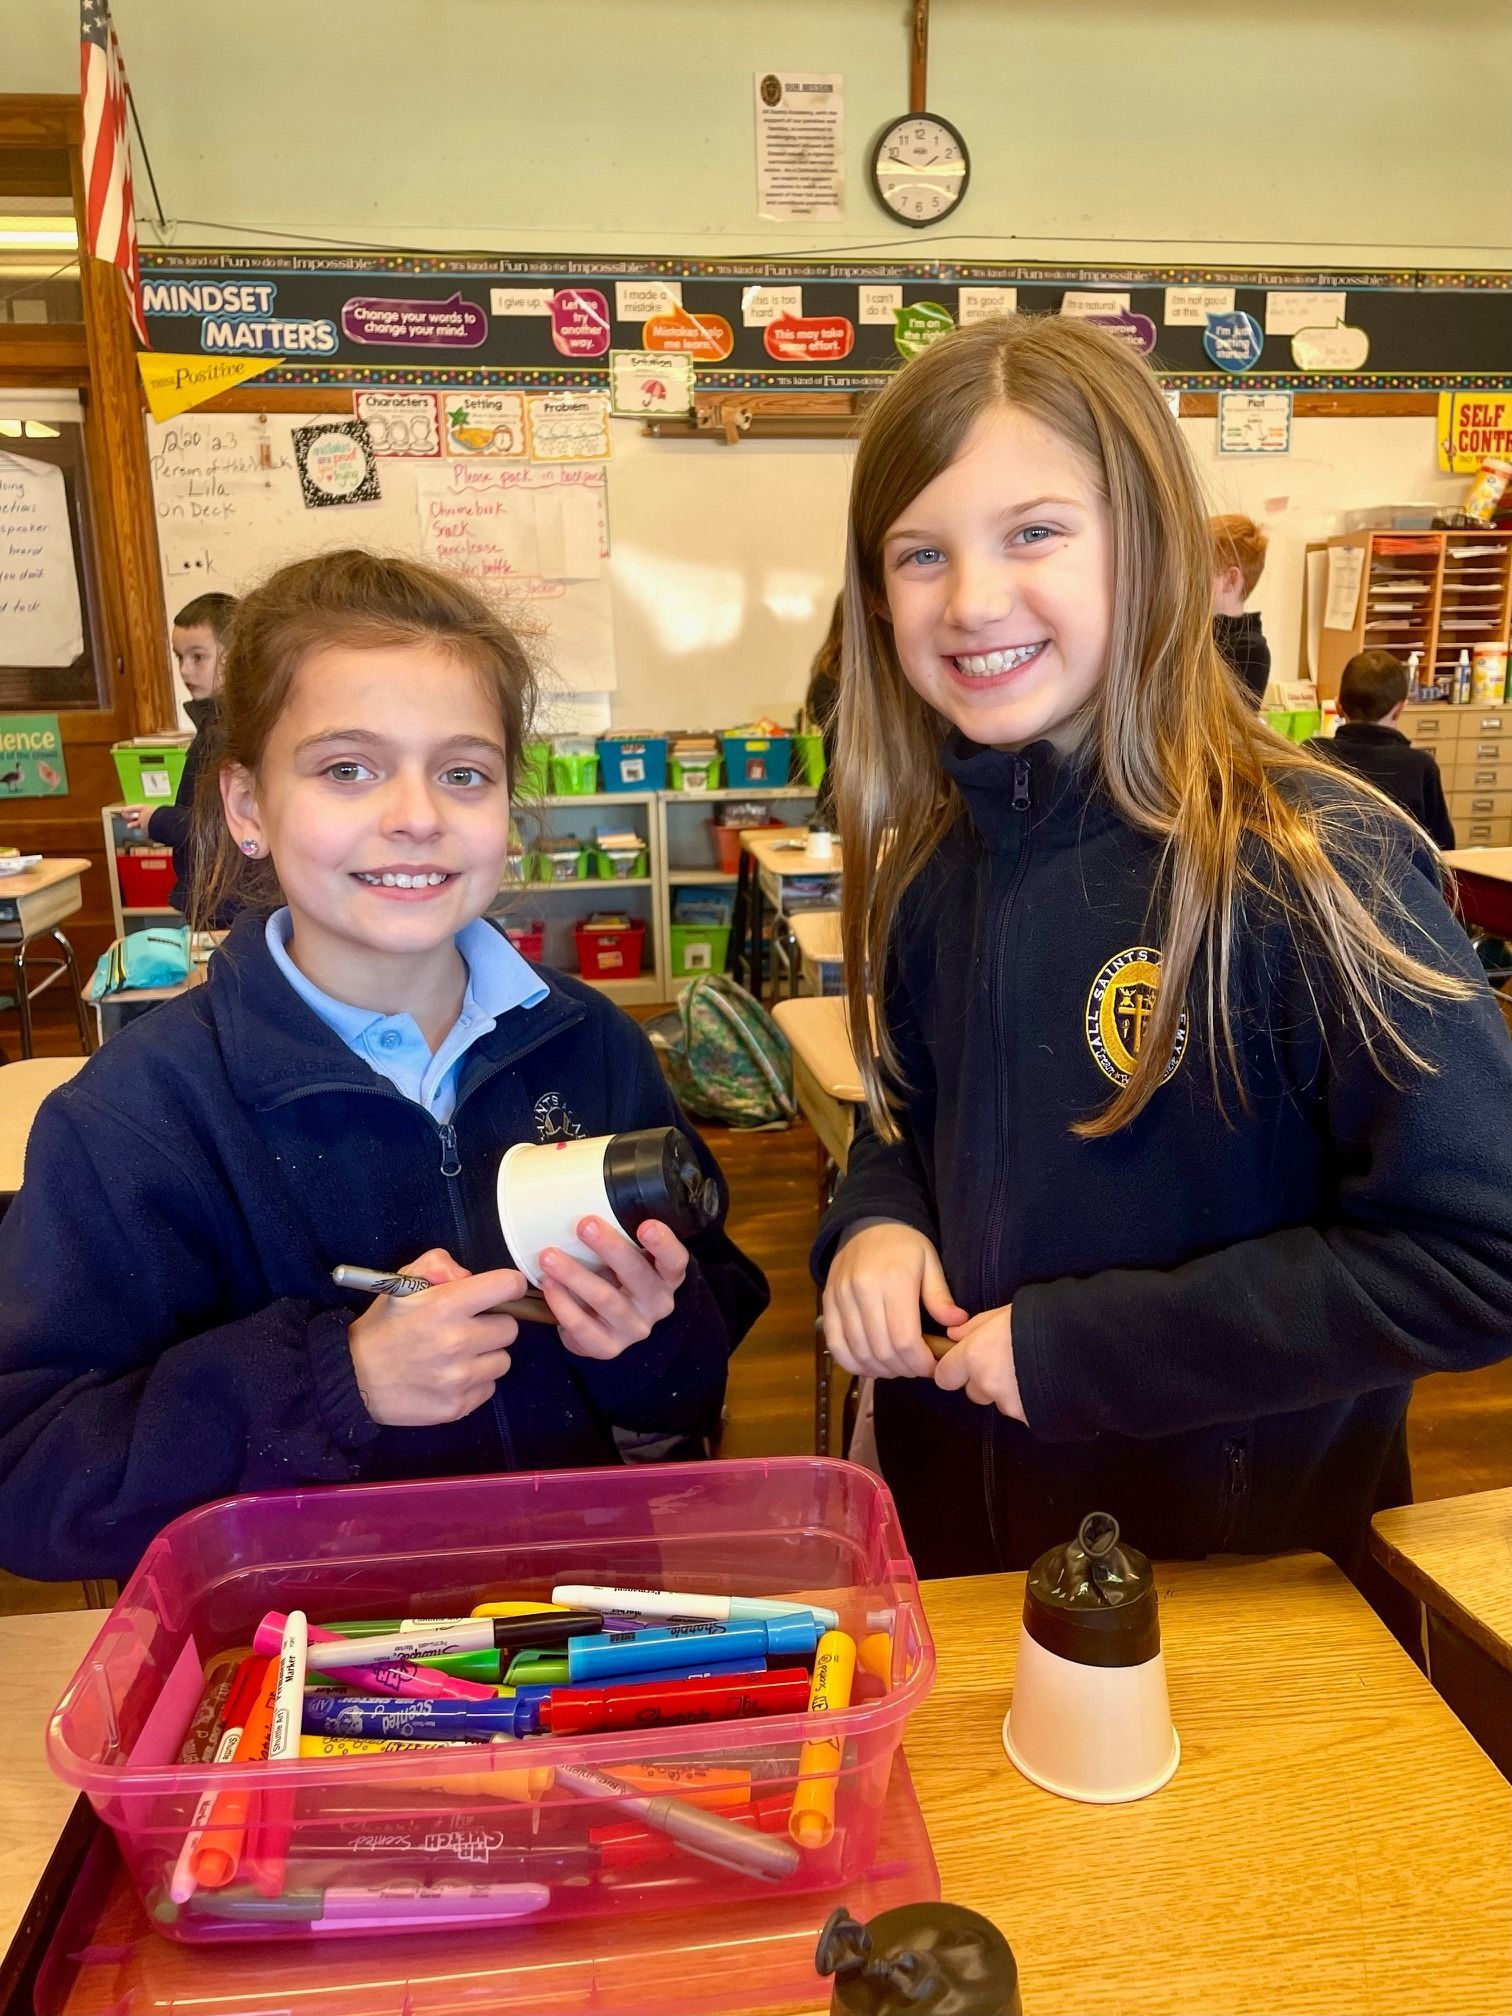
column 1460, row 1426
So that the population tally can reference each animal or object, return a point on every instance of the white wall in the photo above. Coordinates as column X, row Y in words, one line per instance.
column 1299, row 132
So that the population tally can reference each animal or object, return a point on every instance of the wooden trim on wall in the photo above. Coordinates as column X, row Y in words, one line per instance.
column 41, row 119
column 1328, row 405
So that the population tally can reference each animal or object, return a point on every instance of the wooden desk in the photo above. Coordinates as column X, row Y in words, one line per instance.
column 23, row 1087
column 821, row 958
column 1484, row 878
column 1333, row 1843
column 32, row 906
column 768, row 858
column 1455, row 1556
column 38, row 1656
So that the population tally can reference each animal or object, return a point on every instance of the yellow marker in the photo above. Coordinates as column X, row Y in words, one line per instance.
column 515, row 1609
column 876, row 1656
column 526, row 1787
column 812, row 1822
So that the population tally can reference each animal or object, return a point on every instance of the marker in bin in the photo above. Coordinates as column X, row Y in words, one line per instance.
column 478, row 1634
column 402, row 1677
column 680, row 1603
column 613, row 1653
column 710, row 1836
column 708, row 1696
column 244, row 1688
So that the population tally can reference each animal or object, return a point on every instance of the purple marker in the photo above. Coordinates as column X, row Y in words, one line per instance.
column 398, row 1676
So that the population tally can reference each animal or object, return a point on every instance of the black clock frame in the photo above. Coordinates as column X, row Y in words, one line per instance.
column 903, row 118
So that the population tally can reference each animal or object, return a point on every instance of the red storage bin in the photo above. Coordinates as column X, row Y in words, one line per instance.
column 727, row 842
column 529, row 940
column 146, row 877
column 611, row 955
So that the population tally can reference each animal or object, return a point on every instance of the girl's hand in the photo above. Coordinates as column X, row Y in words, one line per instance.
column 138, row 817
column 603, row 1314
column 982, row 1363
column 422, row 1360
column 880, row 1275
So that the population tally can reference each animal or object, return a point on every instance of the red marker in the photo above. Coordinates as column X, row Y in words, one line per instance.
column 569, row 1711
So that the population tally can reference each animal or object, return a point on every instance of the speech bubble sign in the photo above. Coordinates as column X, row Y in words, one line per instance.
column 1234, row 341
column 918, row 325
column 709, row 338
column 453, row 324
column 1337, row 348
column 580, row 322
column 1138, row 331
column 809, row 339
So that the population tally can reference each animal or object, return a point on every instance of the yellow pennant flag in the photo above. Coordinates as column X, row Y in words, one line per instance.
column 175, row 383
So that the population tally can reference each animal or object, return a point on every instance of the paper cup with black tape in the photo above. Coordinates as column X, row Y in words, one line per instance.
column 547, row 1189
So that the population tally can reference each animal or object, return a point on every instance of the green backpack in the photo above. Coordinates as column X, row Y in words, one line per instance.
column 724, row 1056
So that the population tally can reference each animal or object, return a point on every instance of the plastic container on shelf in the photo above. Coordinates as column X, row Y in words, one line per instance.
column 808, row 758
column 149, row 770
column 699, row 948
column 782, row 1526
column 620, row 864
column 574, row 766
column 145, row 876
column 695, row 773
column 528, row 938
column 752, row 758
column 633, row 762
column 611, row 951
column 535, row 770
column 558, row 858
column 703, row 906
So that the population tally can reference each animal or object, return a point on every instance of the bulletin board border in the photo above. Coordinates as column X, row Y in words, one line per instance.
column 1427, row 330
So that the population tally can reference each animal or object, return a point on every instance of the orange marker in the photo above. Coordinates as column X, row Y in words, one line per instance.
column 714, row 1786
column 217, row 1858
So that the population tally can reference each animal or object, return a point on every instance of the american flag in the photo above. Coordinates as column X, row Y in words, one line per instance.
column 110, row 214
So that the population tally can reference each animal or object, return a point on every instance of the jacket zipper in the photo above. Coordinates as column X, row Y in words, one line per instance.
column 1235, row 1494
column 1022, row 801
column 451, row 1169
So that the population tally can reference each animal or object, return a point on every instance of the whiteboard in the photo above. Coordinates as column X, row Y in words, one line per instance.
column 230, row 510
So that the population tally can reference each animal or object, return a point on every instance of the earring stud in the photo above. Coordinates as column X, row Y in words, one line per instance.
column 249, row 846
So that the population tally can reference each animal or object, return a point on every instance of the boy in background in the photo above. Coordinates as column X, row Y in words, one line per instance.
column 1238, row 562
column 1372, row 694
column 201, row 631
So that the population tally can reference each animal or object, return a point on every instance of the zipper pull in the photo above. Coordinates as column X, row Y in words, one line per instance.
column 1020, row 784
column 451, row 1161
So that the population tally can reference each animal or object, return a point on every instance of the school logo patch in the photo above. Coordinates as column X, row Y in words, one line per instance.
column 1120, row 1009
column 555, row 1120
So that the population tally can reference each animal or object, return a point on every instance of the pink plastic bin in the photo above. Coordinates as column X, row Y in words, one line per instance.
column 786, row 1527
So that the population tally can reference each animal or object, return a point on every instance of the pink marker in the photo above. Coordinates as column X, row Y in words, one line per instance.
column 400, row 1676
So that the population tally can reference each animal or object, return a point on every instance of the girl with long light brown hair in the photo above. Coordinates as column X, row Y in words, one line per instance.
column 1186, row 1098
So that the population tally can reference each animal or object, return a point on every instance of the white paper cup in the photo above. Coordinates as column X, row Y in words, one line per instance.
column 1101, row 1734
column 821, row 846
column 545, row 1191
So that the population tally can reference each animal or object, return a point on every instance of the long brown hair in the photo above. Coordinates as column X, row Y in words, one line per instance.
column 1166, row 732
column 362, row 600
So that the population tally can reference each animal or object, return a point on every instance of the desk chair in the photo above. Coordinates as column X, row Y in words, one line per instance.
column 60, row 964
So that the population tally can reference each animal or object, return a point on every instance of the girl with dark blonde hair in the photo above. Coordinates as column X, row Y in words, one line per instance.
column 1185, row 1094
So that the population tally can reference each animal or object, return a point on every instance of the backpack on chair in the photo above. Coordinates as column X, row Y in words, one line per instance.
column 724, row 1056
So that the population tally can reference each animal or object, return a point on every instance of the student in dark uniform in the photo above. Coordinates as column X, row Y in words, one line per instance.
column 1185, row 1093
column 1372, row 694
column 1238, row 562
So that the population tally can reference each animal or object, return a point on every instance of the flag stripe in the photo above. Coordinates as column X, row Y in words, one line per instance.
column 109, row 209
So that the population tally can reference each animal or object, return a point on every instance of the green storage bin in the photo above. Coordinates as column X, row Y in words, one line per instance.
column 699, row 948
column 1282, row 723
column 702, row 775
column 574, row 776
column 149, row 771
column 1306, row 723
column 535, row 770
column 808, row 759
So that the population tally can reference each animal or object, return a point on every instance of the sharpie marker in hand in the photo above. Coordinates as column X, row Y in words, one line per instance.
column 368, row 1281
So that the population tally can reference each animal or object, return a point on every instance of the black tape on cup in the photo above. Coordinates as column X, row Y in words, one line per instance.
column 654, row 1174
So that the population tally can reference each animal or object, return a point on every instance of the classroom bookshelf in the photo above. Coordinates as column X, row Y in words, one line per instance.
column 680, row 853
column 1436, row 593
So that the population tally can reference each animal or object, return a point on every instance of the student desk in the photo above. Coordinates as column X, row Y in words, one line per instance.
column 768, row 859
column 1455, row 1556
column 821, row 961
column 1333, row 1844
column 32, row 906
column 1484, row 876
column 827, row 1087
column 23, row 1087
column 41, row 1837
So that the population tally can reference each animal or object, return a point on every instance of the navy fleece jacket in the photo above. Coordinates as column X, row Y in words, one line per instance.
column 168, row 1328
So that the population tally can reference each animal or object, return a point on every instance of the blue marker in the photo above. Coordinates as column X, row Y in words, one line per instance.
column 615, row 1652
column 414, row 1721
